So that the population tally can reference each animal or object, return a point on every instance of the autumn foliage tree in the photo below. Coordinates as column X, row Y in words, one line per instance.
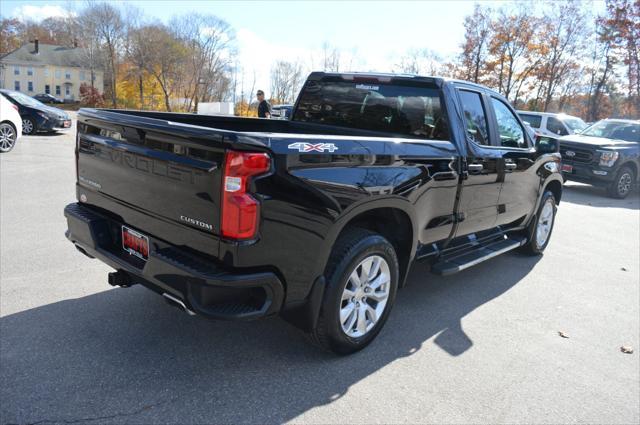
column 560, row 58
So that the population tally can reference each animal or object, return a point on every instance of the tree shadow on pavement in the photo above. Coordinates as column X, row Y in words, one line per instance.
column 123, row 356
column 597, row 197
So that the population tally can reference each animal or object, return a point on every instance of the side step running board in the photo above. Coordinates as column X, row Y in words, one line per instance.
column 454, row 262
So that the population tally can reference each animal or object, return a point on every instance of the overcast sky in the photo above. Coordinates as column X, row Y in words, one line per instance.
column 377, row 33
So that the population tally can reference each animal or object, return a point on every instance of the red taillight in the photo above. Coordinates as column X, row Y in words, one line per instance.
column 15, row 107
column 239, row 208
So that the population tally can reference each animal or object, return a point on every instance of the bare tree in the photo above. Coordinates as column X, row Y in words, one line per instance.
column 106, row 20
column 286, row 79
column 604, row 60
column 421, row 62
column 90, row 43
column 330, row 60
column 210, row 45
column 135, row 48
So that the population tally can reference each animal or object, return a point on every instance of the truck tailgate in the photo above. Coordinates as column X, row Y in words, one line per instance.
column 160, row 177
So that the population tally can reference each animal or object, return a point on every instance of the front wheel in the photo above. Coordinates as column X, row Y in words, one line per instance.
column 622, row 184
column 8, row 137
column 28, row 126
column 362, row 280
column 542, row 225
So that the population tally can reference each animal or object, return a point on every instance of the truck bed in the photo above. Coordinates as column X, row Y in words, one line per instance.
column 161, row 172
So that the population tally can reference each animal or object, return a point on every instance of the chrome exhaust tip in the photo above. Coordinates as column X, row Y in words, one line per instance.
column 176, row 302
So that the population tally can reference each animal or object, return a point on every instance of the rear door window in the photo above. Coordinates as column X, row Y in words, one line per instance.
column 556, row 127
column 534, row 120
column 475, row 117
column 386, row 107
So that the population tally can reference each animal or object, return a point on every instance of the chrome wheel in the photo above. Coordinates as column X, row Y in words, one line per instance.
column 624, row 184
column 8, row 137
column 27, row 126
column 365, row 296
column 545, row 223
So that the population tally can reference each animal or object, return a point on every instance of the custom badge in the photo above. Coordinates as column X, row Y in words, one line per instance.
column 313, row 147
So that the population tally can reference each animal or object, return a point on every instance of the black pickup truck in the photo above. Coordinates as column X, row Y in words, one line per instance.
column 317, row 218
column 605, row 154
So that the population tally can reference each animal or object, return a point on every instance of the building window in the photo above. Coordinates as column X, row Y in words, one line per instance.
column 57, row 90
column 47, row 89
column 58, row 73
column 16, row 85
column 67, row 90
column 16, row 70
column 30, row 85
column 67, row 74
column 81, row 75
column 30, row 71
column 46, row 72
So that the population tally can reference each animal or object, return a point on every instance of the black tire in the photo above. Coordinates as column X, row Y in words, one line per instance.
column 534, row 246
column 29, row 126
column 8, row 137
column 353, row 247
column 622, row 184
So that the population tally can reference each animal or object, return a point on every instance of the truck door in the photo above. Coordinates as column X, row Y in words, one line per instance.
column 477, row 208
column 520, row 185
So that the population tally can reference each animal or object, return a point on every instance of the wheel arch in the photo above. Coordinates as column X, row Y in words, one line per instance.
column 391, row 220
column 393, row 224
column 634, row 168
column 555, row 186
column 11, row 124
column 33, row 120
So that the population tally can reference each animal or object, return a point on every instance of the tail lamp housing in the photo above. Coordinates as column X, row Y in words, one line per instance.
column 240, row 210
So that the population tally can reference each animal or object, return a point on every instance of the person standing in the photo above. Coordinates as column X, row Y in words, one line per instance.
column 264, row 109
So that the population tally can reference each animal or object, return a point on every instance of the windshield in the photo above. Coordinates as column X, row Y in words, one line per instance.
column 392, row 108
column 24, row 99
column 575, row 124
column 614, row 130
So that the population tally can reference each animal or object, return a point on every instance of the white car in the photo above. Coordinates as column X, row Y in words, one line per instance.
column 10, row 125
column 552, row 125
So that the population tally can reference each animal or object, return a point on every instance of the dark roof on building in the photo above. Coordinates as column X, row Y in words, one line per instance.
column 48, row 54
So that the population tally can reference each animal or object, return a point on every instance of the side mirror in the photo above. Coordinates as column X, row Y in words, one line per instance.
column 546, row 145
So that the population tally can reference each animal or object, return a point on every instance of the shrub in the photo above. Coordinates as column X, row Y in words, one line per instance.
column 90, row 96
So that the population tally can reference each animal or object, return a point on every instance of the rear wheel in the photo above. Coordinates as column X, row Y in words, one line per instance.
column 622, row 184
column 28, row 126
column 542, row 225
column 8, row 137
column 362, row 280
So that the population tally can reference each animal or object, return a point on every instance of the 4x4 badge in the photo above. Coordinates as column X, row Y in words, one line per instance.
column 313, row 147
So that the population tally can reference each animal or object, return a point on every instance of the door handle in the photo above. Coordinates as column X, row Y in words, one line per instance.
column 510, row 166
column 475, row 168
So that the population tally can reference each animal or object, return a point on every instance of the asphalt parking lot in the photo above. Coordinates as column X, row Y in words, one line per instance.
column 482, row 346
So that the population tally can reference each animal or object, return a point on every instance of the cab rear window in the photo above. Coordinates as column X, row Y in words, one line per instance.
column 534, row 121
column 405, row 110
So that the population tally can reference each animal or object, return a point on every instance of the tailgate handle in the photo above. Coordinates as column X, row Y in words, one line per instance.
column 133, row 135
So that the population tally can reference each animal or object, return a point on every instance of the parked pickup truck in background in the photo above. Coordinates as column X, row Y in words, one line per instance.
column 317, row 218
column 606, row 154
